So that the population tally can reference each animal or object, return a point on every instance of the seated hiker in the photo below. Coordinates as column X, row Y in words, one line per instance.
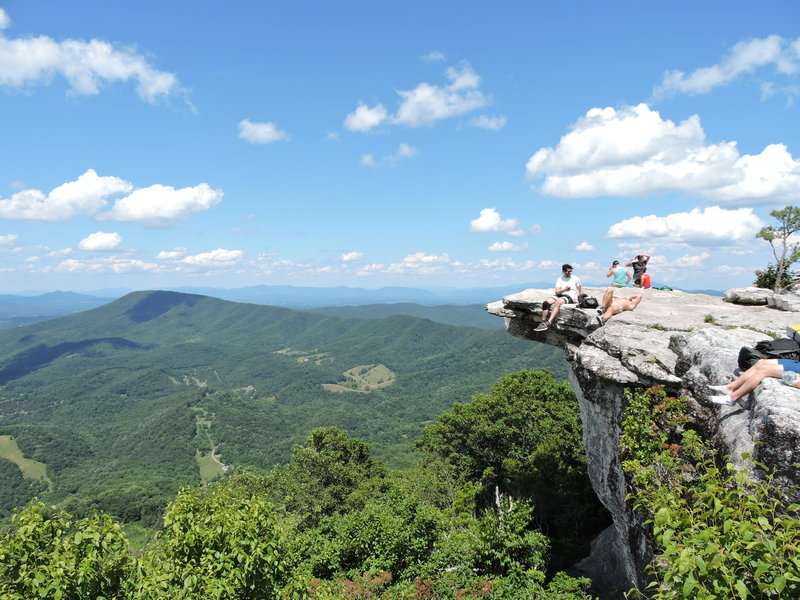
column 732, row 392
column 621, row 276
column 613, row 305
column 567, row 290
column 639, row 264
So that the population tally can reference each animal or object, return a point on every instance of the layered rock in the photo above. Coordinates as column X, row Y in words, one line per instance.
column 684, row 342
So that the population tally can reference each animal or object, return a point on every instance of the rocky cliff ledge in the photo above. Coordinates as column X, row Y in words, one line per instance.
column 684, row 342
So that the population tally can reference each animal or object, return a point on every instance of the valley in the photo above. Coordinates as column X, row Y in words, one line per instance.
column 125, row 403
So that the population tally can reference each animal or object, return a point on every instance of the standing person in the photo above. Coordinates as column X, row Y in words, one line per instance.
column 621, row 276
column 639, row 264
column 568, row 288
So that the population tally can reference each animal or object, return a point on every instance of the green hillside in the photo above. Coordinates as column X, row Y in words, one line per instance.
column 473, row 315
column 126, row 402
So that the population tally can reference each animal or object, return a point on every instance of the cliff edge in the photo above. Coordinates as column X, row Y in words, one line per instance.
column 684, row 342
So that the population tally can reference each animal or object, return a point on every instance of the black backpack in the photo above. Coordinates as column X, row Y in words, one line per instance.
column 586, row 301
column 779, row 348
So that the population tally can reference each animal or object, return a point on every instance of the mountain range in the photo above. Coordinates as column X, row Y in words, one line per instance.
column 125, row 402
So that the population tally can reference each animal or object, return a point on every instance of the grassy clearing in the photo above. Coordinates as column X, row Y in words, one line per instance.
column 206, row 456
column 363, row 379
column 302, row 356
column 31, row 469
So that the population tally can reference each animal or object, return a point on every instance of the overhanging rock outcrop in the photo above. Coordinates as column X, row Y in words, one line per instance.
column 684, row 342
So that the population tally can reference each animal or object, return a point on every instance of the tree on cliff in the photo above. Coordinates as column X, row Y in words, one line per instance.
column 785, row 252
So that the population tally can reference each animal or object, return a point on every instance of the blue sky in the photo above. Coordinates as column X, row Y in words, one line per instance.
column 161, row 144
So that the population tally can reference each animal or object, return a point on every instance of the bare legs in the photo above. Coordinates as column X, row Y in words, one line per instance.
column 750, row 379
column 553, row 313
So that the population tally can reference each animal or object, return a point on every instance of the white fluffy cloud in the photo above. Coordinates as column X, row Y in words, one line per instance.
column 490, row 123
column 90, row 193
column 403, row 151
column 507, row 247
column 261, row 133
column 10, row 240
column 85, row 65
column 584, row 247
column 216, row 258
column 348, row 256
column 86, row 195
column 711, row 226
column 634, row 152
column 173, row 254
column 365, row 118
column 106, row 265
column 425, row 104
column 744, row 57
column 420, row 263
column 100, row 241
column 491, row 221
column 162, row 203
column 433, row 56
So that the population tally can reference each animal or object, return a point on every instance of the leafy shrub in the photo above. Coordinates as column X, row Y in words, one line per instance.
column 49, row 555
column 719, row 533
column 220, row 543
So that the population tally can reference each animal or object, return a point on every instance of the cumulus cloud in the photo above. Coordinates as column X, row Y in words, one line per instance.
column 745, row 57
column 100, row 241
column 507, row 247
column 491, row 221
column 86, row 66
column 697, row 260
column 261, row 133
column 158, row 204
column 90, row 193
column 216, row 258
column 365, row 118
column 86, row 195
column 174, row 254
column 710, row 226
column 403, row 151
column 425, row 104
column 420, row 263
column 433, row 56
column 487, row 122
column 634, row 152
column 584, row 247
column 349, row 256
column 106, row 265
column 10, row 240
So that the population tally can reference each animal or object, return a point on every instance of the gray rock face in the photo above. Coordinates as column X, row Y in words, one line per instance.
column 684, row 342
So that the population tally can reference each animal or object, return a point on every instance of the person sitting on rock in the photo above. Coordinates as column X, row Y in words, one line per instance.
column 639, row 264
column 621, row 275
column 568, row 288
column 613, row 305
column 731, row 393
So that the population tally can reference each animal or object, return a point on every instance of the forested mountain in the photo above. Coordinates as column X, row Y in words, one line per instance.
column 473, row 315
column 128, row 401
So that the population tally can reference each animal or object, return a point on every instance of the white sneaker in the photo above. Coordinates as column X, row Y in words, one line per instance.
column 720, row 389
column 724, row 400
column 541, row 326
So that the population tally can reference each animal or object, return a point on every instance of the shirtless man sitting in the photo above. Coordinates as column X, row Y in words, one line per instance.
column 613, row 305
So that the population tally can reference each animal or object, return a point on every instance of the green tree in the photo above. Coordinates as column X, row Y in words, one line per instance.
column 223, row 542
column 525, row 439
column 49, row 555
column 784, row 250
column 322, row 474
